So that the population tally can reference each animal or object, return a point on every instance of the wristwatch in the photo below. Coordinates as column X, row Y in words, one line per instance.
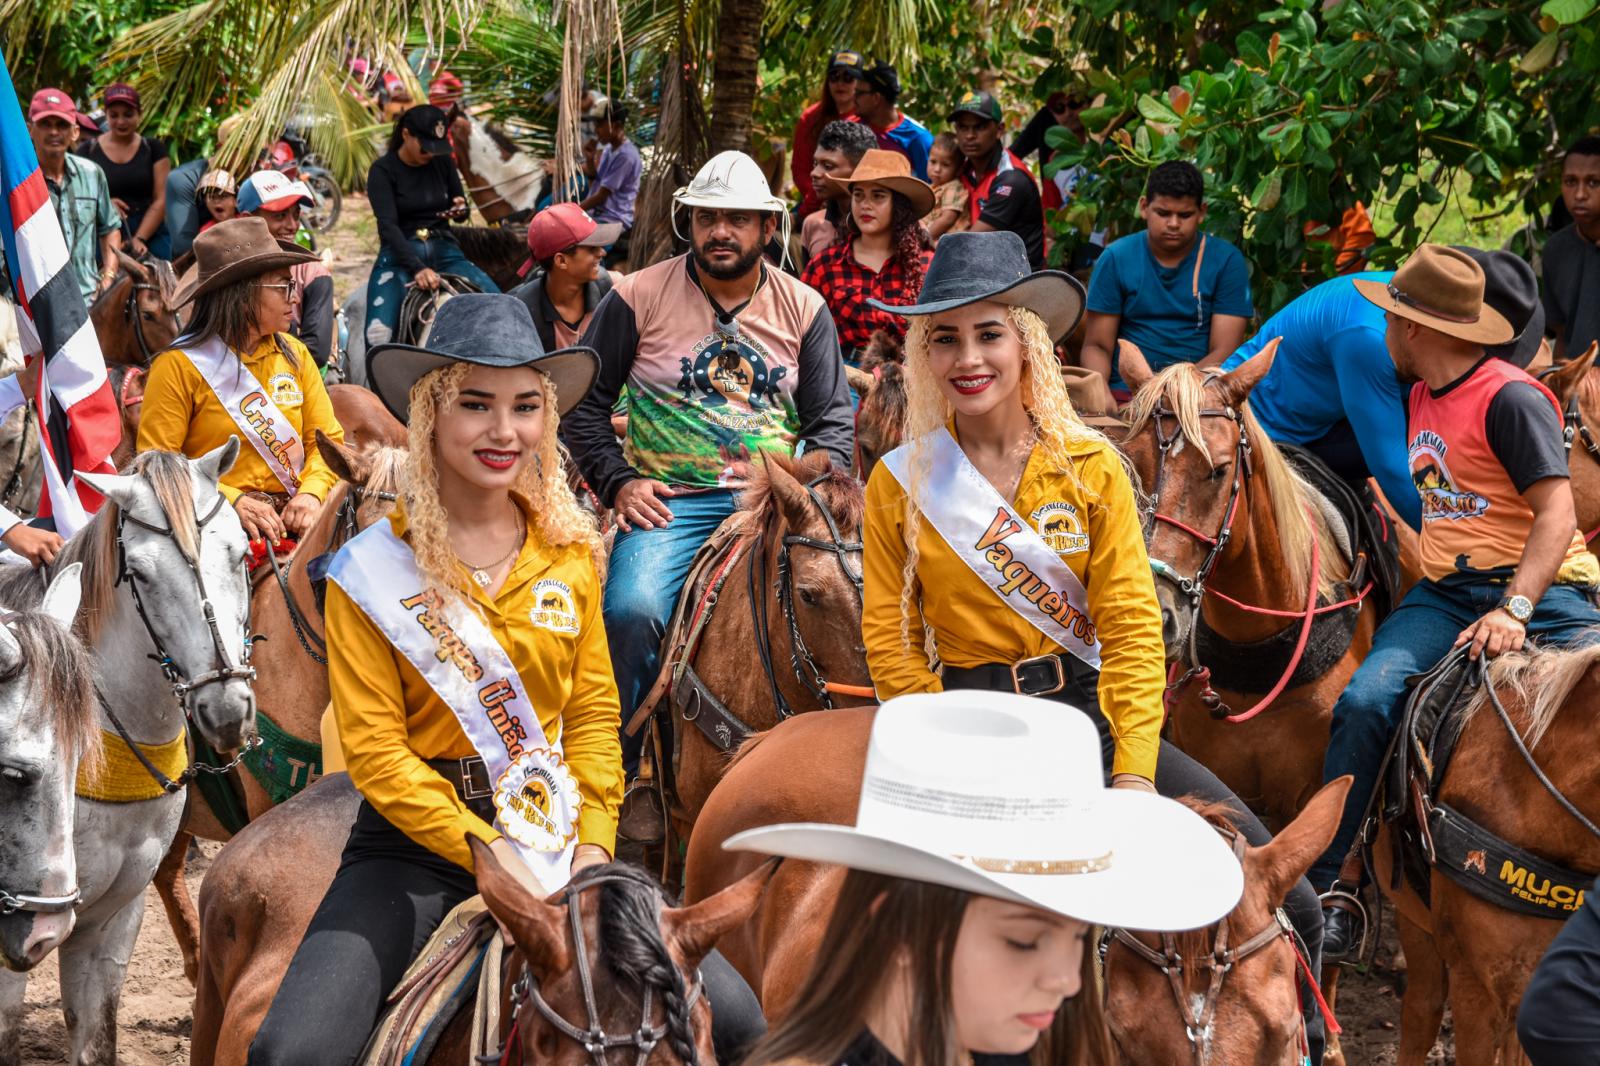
column 1518, row 607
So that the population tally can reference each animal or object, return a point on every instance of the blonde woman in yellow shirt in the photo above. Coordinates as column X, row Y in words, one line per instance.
column 238, row 372
column 1007, row 531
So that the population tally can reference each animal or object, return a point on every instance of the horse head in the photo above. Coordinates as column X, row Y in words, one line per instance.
column 1239, row 1009
column 137, row 317
column 1576, row 385
column 47, row 727
column 1194, row 446
column 178, row 558
column 369, row 478
column 640, row 980
column 808, row 514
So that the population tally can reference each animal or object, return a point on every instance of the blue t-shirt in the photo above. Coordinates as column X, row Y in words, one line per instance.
column 1333, row 366
column 619, row 170
column 1160, row 309
column 911, row 139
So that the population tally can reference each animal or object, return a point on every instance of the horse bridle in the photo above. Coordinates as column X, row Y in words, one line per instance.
column 804, row 664
column 595, row 1040
column 130, row 314
column 1574, row 427
column 1220, row 961
column 1195, row 588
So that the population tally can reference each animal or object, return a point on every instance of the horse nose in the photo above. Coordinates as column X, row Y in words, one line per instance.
column 47, row 934
column 226, row 713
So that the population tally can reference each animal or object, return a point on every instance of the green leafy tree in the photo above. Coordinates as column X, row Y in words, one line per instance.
column 1297, row 112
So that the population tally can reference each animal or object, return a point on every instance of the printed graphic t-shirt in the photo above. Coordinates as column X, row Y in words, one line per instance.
column 700, row 397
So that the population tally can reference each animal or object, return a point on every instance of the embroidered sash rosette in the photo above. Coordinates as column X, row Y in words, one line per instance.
column 250, row 406
column 998, row 544
column 535, row 796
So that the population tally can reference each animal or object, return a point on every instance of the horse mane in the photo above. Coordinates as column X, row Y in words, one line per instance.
column 95, row 546
column 1541, row 679
column 633, row 949
column 843, row 494
column 388, row 467
column 1197, row 943
column 493, row 244
column 60, row 678
column 1294, row 502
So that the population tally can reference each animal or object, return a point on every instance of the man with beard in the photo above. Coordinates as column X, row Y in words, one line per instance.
column 722, row 357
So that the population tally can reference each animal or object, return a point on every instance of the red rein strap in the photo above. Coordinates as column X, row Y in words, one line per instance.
column 1316, row 989
column 1305, row 635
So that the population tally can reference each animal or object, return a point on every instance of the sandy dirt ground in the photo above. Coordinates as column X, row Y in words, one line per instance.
column 154, row 1022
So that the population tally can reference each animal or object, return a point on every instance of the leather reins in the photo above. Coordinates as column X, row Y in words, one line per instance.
column 1195, row 587
column 130, row 314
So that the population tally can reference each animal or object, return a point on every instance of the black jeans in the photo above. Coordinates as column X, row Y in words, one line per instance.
column 1179, row 775
column 387, row 898
column 1340, row 449
column 1559, row 1020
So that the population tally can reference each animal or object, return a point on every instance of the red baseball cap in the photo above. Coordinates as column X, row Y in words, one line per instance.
column 47, row 102
column 560, row 226
column 445, row 90
column 119, row 93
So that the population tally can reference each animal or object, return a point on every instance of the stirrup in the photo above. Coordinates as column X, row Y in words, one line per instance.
column 642, row 820
column 1346, row 897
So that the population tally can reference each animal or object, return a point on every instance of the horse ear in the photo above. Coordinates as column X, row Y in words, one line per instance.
column 213, row 464
column 133, row 268
column 537, row 927
column 694, row 930
column 182, row 263
column 343, row 460
column 62, row 597
column 1133, row 366
column 1564, row 379
column 859, row 380
column 1278, row 865
column 1237, row 383
column 118, row 488
column 790, row 494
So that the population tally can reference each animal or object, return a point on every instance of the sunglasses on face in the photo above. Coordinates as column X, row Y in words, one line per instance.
column 840, row 77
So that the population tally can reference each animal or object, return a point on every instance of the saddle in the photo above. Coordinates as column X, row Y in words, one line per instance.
column 459, row 962
column 1363, row 526
column 1427, row 835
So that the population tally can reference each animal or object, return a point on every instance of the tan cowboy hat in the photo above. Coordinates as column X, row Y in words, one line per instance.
column 234, row 250
column 1091, row 397
column 1441, row 288
column 892, row 170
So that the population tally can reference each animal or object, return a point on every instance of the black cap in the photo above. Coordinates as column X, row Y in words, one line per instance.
column 881, row 78
column 428, row 124
column 845, row 59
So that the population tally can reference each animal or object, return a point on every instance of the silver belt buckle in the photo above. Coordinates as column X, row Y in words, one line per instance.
column 1020, row 666
column 474, row 771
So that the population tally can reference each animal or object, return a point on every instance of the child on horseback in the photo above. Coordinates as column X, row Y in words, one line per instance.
column 985, row 847
column 239, row 372
column 1004, row 494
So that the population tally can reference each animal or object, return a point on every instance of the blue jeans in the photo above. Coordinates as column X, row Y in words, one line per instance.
column 1417, row 635
column 646, row 574
column 386, row 285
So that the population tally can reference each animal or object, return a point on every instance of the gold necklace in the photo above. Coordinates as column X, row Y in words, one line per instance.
column 484, row 575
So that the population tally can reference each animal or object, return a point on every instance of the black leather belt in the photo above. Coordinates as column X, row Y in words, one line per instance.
column 1061, row 677
column 470, row 778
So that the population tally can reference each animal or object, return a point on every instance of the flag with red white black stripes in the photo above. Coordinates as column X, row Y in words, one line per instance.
column 77, row 407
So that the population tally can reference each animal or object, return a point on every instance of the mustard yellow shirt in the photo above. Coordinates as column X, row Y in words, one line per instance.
column 182, row 414
column 971, row 627
column 390, row 720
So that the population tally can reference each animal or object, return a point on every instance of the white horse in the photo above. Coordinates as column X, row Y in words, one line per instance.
column 47, row 726
column 165, row 613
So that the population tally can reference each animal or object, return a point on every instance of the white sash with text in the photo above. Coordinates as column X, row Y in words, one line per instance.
column 998, row 544
column 252, row 410
column 535, row 796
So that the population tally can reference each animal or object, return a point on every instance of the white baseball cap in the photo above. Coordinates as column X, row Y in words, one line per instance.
column 1004, row 796
column 270, row 190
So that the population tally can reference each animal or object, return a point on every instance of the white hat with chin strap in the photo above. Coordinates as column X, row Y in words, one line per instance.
column 731, row 181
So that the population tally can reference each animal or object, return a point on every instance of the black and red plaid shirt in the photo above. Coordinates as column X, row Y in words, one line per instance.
column 847, row 286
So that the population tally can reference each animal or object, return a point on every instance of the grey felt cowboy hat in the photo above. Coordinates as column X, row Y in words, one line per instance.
column 969, row 268
column 486, row 329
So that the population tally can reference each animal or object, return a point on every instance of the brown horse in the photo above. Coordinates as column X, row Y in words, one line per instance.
column 795, row 544
column 501, row 179
column 137, row 317
column 292, row 680
column 266, row 884
column 365, row 421
column 1577, row 388
column 1239, row 546
column 881, row 383
column 1464, row 948
column 1255, row 1017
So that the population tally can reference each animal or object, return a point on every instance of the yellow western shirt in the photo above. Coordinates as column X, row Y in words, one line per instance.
column 1104, row 547
column 182, row 414
column 390, row 720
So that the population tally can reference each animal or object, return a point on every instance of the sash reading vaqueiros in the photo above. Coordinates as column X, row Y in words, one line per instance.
column 535, row 797
column 252, row 410
column 998, row 544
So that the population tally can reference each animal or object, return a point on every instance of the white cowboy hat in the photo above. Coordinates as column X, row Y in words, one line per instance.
column 1003, row 795
column 731, row 181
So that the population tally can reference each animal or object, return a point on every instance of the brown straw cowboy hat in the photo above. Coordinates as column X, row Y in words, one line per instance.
column 234, row 250
column 892, row 170
column 1441, row 288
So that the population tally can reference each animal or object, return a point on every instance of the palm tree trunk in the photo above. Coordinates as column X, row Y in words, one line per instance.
column 733, row 88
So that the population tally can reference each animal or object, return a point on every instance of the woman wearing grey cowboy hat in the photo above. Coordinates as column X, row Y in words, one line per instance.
column 1008, row 527
column 237, row 371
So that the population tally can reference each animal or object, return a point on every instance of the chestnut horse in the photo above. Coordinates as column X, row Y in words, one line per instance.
column 784, row 636
column 881, row 384
column 1576, row 385
column 1255, row 1016
column 292, row 679
column 266, row 884
column 137, row 317
column 1463, row 948
column 1240, row 547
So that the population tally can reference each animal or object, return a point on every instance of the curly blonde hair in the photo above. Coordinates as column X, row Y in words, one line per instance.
column 1061, row 433
column 543, row 483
